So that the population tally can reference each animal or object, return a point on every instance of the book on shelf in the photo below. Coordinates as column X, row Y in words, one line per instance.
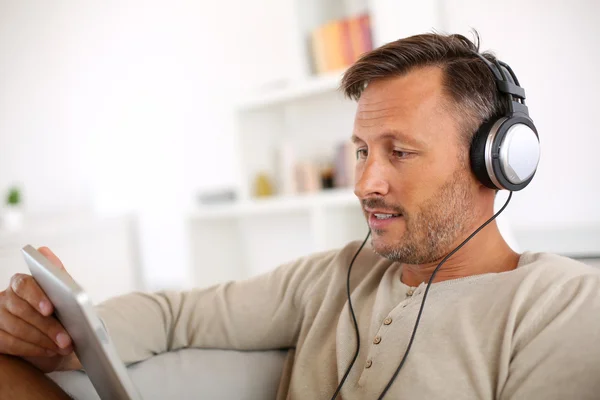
column 314, row 177
column 337, row 44
column 361, row 39
column 313, row 174
column 344, row 165
column 308, row 177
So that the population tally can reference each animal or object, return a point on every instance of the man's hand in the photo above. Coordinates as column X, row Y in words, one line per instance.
column 28, row 328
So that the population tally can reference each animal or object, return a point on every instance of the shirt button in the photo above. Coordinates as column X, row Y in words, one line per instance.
column 387, row 321
column 377, row 340
column 410, row 292
column 368, row 364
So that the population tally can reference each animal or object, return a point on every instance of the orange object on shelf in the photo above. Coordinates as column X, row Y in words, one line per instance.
column 337, row 44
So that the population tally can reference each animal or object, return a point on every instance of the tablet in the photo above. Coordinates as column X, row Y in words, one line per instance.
column 91, row 341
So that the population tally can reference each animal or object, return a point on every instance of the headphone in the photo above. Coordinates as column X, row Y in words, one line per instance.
column 505, row 151
column 504, row 154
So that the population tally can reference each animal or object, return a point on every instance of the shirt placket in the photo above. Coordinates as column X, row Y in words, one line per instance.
column 398, row 322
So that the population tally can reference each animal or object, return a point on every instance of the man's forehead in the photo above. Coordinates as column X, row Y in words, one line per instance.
column 404, row 106
column 415, row 88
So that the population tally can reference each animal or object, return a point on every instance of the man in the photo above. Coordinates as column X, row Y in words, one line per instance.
column 496, row 324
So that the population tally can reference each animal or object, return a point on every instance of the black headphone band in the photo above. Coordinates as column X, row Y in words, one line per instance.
column 508, row 85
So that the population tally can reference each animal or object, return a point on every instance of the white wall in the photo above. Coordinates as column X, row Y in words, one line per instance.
column 126, row 105
column 40, row 135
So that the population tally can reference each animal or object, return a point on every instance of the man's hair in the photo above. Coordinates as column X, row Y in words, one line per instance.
column 467, row 81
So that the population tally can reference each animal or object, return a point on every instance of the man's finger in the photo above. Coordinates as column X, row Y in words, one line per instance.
column 25, row 287
column 17, row 327
column 47, row 325
column 17, row 347
column 46, row 252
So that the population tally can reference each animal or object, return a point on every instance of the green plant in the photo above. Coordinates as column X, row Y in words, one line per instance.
column 14, row 197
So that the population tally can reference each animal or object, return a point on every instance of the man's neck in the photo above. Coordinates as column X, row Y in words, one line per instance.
column 486, row 252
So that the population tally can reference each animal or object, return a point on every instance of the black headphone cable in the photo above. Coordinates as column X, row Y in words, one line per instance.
column 414, row 332
column 339, row 387
column 435, row 271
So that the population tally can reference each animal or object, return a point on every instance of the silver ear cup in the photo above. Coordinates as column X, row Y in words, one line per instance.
column 519, row 153
column 512, row 153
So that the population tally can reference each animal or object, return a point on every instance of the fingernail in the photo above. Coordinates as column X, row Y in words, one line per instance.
column 44, row 307
column 50, row 353
column 62, row 340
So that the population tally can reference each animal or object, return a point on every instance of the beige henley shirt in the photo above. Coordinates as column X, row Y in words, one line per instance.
column 531, row 333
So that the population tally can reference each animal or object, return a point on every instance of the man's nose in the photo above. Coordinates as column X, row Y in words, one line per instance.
column 371, row 180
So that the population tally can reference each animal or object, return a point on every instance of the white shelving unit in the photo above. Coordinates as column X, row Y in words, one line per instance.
column 252, row 236
column 279, row 205
column 305, row 88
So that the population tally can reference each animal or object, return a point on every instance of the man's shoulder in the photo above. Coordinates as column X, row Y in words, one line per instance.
column 553, row 289
column 541, row 279
column 549, row 281
column 555, row 268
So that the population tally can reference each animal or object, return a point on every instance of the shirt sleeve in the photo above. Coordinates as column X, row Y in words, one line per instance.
column 261, row 313
column 559, row 355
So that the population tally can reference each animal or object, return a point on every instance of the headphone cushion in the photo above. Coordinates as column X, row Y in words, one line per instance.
column 477, row 154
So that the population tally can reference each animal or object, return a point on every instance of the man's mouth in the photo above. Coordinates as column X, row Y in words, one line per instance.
column 381, row 218
column 386, row 216
column 379, row 221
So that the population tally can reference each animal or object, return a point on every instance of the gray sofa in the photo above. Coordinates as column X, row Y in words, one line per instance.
column 194, row 374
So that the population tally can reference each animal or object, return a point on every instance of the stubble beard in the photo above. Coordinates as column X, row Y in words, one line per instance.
column 434, row 229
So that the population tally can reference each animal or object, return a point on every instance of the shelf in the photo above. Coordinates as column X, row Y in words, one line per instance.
column 279, row 204
column 71, row 225
column 294, row 91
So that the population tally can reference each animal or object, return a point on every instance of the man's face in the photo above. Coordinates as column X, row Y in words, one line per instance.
column 412, row 172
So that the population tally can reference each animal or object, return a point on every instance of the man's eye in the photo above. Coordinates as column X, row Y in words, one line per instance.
column 400, row 154
column 361, row 153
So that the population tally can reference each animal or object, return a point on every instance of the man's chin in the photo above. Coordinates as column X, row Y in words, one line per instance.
column 385, row 247
column 397, row 250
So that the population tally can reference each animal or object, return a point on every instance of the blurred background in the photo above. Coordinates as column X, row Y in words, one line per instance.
column 156, row 144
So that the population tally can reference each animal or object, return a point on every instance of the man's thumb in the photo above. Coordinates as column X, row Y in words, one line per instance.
column 46, row 252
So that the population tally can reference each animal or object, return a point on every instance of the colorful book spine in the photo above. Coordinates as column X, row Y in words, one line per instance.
column 346, row 43
column 360, row 35
column 337, row 44
column 308, row 177
column 365, row 24
column 345, row 165
column 318, row 50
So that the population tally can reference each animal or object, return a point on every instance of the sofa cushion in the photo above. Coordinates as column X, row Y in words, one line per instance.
column 194, row 374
